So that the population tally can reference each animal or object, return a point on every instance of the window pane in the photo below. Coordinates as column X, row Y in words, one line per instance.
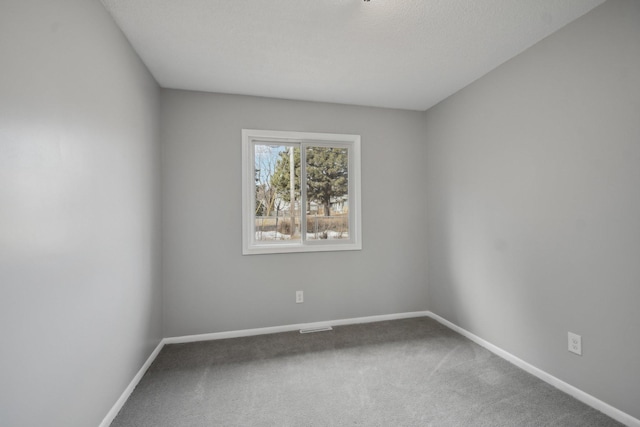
column 319, row 187
column 276, row 218
column 327, row 193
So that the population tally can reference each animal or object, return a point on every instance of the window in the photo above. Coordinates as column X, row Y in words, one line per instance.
column 301, row 192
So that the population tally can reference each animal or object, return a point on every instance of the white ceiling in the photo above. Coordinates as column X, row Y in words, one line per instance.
column 407, row 54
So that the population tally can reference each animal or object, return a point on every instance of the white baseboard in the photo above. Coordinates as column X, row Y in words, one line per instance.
column 289, row 328
column 598, row 404
column 106, row 422
column 586, row 398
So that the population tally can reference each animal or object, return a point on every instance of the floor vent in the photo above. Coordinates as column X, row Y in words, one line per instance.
column 320, row 329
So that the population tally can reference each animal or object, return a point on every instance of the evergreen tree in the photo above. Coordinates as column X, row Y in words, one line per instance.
column 281, row 176
column 327, row 175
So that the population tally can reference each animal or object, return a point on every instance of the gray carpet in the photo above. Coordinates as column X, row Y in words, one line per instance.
column 412, row 372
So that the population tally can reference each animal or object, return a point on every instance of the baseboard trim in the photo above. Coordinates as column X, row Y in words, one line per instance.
column 111, row 415
column 289, row 328
column 586, row 398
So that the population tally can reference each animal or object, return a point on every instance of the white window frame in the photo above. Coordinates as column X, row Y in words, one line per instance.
column 251, row 137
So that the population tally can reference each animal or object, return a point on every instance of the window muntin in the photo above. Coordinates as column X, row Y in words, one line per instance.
column 325, row 172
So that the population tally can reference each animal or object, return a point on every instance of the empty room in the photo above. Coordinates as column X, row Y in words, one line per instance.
column 319, row 213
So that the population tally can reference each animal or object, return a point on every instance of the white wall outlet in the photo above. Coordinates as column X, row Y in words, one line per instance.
column 299, row 297
column 575, row 343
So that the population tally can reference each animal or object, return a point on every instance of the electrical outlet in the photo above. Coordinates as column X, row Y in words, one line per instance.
column 299, row 297
column 575, row 343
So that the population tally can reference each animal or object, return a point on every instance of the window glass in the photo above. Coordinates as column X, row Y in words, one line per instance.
column 327, row 177
column 301, row 192
column 277, row 207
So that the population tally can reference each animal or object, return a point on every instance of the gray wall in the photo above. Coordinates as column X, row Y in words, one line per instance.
column 210, row 286
column 533, row 190
column 79, row 252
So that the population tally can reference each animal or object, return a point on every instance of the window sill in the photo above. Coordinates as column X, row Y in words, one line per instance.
column 294, row 248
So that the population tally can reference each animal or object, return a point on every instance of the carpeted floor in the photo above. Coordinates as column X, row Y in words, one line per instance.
column 412, row 372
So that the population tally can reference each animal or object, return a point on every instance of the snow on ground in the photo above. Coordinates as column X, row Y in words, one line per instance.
column 274, row 235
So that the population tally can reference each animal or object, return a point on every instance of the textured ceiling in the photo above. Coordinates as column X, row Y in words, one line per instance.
column 407, row 54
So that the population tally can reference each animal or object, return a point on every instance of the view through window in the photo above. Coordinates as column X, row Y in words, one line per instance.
column 301, row 192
